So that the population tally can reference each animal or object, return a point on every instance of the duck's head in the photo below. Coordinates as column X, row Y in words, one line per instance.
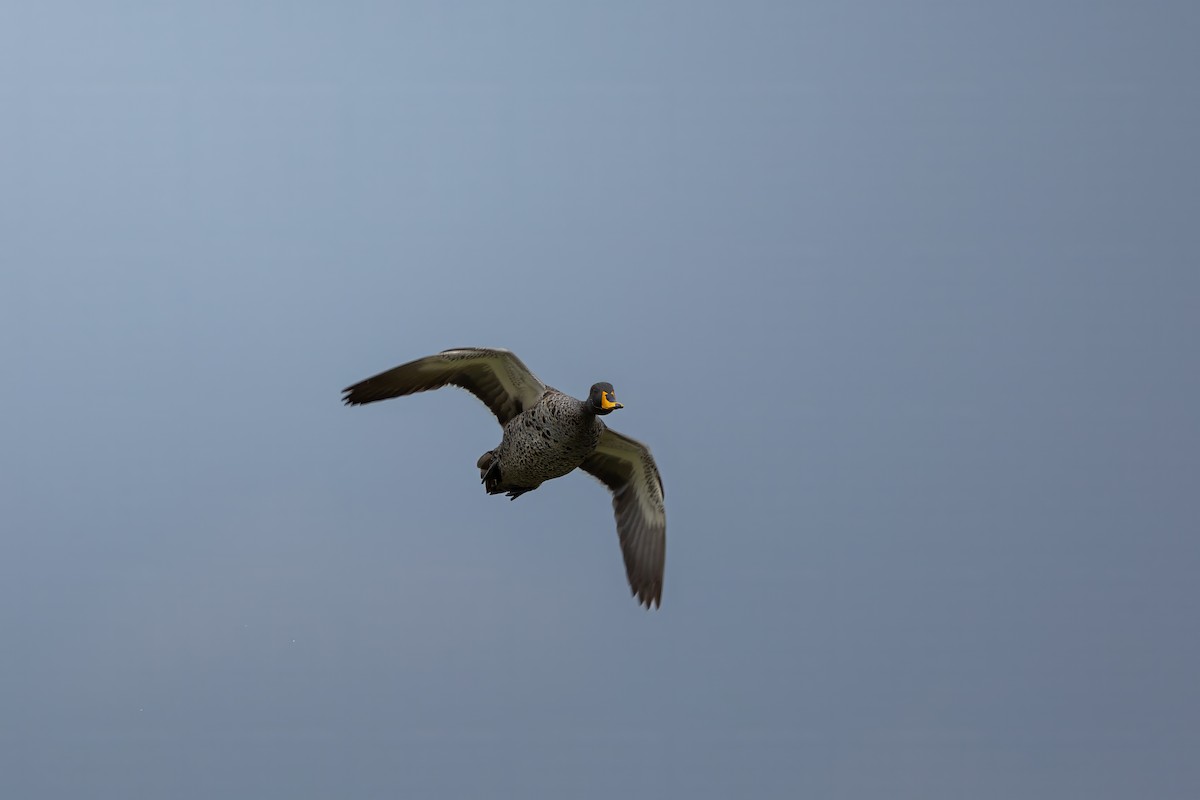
column 602, row 399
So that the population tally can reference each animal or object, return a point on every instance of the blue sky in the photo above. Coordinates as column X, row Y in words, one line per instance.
column 903, row 298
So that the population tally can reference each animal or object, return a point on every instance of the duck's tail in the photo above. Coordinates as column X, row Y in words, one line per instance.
column 489, row 472
column 489, row 476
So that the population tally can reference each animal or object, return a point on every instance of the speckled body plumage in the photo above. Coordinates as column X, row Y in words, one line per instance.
column 541, row 443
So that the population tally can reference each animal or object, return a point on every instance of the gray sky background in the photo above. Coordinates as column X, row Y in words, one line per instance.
column 905, row 297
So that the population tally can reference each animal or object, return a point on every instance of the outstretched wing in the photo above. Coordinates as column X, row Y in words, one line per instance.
column 497, row 377
column 628, row 469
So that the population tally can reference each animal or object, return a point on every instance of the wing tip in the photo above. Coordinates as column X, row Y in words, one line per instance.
column 650, row 597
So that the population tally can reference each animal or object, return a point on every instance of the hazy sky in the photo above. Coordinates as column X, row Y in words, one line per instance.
column 905, row 297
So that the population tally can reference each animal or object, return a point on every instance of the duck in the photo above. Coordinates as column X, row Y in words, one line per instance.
column 548, row 434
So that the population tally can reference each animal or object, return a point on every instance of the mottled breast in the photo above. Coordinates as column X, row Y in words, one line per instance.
column 548, row 440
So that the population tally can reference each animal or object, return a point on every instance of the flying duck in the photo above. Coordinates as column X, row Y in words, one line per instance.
column 546, row 435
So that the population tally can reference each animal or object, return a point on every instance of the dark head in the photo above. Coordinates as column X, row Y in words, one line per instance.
column 602, row 399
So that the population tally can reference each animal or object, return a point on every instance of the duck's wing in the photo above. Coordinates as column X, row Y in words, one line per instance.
column 497, row 377
column 627, row 468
